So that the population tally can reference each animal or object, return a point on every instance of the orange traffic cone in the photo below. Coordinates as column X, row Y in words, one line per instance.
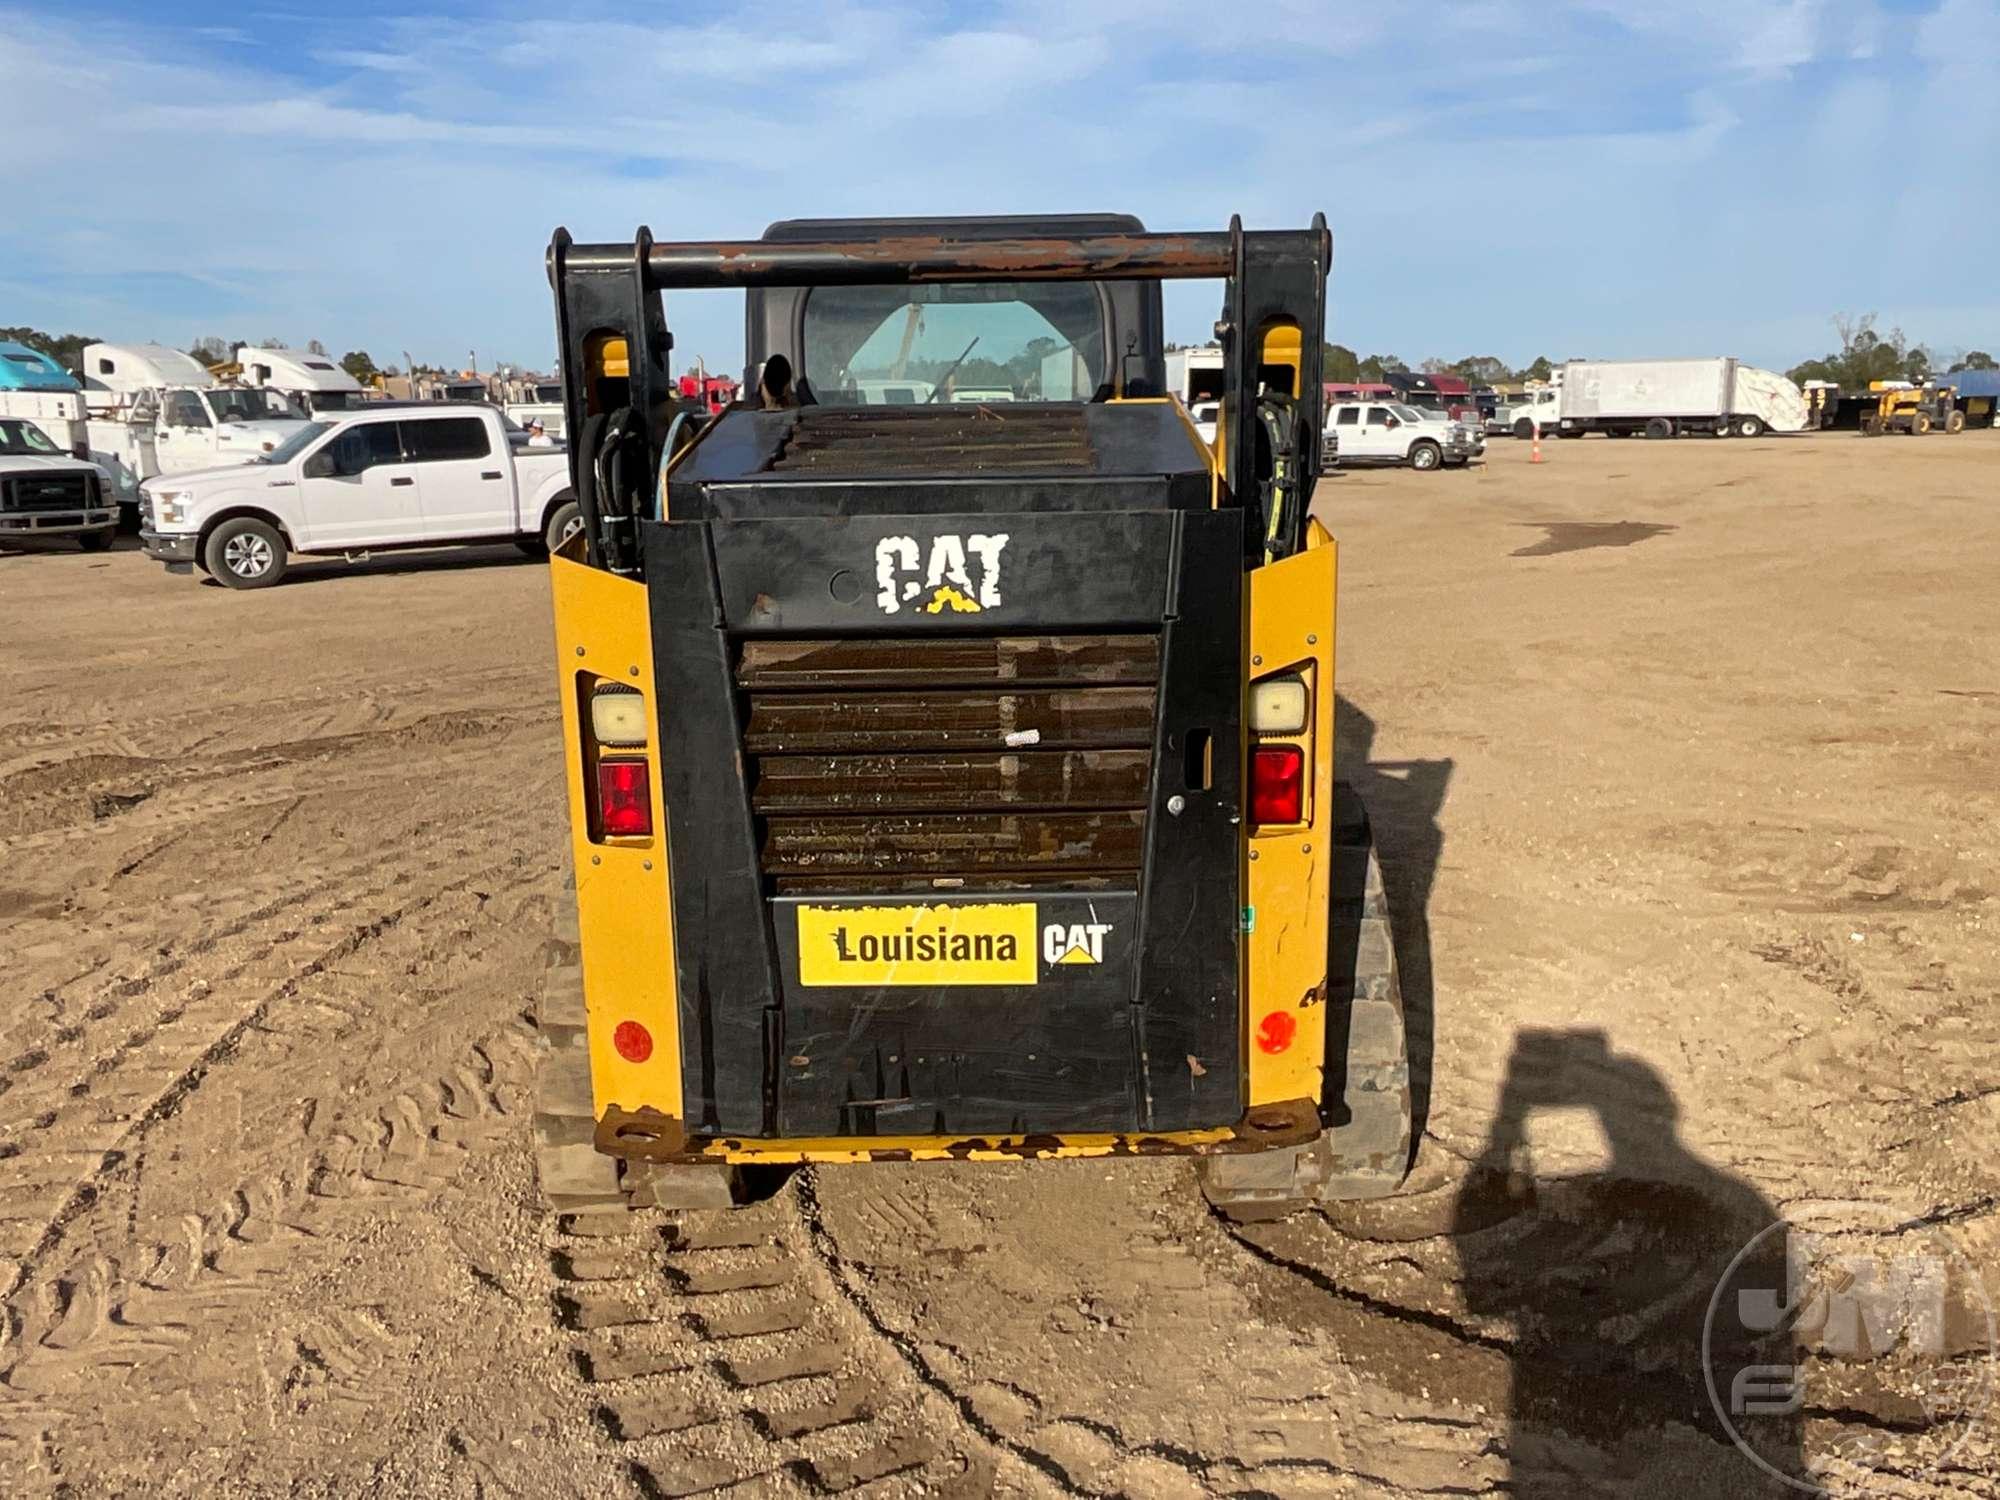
column 1535, row 456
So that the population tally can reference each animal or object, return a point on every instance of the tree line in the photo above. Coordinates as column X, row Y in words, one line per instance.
column 66, row 349
column 1865, row 354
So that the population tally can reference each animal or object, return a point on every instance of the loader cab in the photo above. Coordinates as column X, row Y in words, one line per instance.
column 924, row 344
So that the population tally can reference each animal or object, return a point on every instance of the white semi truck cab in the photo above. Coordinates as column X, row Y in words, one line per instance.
column 311, row 382
column 36, row 389
column 155, row 410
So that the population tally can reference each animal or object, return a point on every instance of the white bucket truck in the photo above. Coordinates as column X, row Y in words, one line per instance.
column 154, row 410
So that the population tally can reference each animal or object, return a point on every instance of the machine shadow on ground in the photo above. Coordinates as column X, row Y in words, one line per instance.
column 1606, row 1279
column 1405, row 800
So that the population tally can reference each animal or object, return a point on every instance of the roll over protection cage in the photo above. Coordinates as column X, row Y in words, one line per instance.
column 608, row 301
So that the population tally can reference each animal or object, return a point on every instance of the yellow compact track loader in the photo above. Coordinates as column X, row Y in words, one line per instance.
column 950, row 730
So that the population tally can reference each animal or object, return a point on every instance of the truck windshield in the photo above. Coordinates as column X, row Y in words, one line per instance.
column 1411, row 414
column 293, row 445
column 19, row 439
column 883, row 346
column 252, row 406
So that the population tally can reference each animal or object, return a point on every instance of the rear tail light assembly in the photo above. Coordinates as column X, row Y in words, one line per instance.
column 1281, row 750
column 617, row 775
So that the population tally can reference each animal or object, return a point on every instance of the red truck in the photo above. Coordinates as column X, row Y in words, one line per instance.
column 1450, row 394
column 713, row 391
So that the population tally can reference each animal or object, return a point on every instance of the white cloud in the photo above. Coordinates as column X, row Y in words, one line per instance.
column 392, row 185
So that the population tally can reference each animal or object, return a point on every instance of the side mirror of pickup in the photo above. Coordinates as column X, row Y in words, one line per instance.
column 320, row 465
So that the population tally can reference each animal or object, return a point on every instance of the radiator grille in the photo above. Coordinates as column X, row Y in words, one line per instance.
column 47, row 492
column 940, row 763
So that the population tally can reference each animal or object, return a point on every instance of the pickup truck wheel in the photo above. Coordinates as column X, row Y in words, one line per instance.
column 1425, row 455
column 245, row 553
column 1523, row 430
column 97, row 541
column 1749, row 426
column 565, row 521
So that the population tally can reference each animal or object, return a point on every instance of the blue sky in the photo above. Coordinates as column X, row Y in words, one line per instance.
column 1509, row 177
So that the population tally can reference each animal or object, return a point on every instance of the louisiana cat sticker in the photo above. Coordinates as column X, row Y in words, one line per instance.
column 948, row 574
column 982, row 943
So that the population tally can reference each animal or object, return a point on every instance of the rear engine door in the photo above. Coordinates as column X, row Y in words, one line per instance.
column 955, row 817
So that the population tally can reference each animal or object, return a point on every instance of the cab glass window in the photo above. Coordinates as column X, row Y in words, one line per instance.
column 363, row 446
column 1378, row 416
column 439, row 442
column 1350, row 416
column 184, row 409
column 881, row 346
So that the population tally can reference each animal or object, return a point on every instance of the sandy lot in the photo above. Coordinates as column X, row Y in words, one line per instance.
column 1685, row 761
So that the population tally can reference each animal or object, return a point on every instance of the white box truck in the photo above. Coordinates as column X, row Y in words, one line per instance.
column 1662, row 398
column 1196, row 374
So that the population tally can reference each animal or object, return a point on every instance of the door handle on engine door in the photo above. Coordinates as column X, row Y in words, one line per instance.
column 403, row 481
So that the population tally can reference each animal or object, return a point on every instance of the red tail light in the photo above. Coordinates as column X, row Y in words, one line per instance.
column 624, row 799
column 1277, row 784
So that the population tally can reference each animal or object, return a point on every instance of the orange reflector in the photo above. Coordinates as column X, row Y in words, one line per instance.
column 633, row 1041
column 1276, row 1031
column 1277, row 784
column 624, row 799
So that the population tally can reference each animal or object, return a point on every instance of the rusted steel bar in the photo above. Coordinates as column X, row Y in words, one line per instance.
column 917, row 258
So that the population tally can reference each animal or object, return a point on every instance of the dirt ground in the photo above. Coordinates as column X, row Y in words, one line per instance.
column 1685, row 761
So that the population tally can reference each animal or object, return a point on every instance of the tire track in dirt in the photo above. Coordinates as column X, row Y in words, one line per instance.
column 1270, row 1446
column 210, row 1027
column 287, row 909
column 714, row 1355
column 123, row 1310
column 121, row 735
column 52, row 797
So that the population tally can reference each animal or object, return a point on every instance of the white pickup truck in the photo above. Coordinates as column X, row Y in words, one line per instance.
column 45, row 492
column 421, row 475
column 1388, row 432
